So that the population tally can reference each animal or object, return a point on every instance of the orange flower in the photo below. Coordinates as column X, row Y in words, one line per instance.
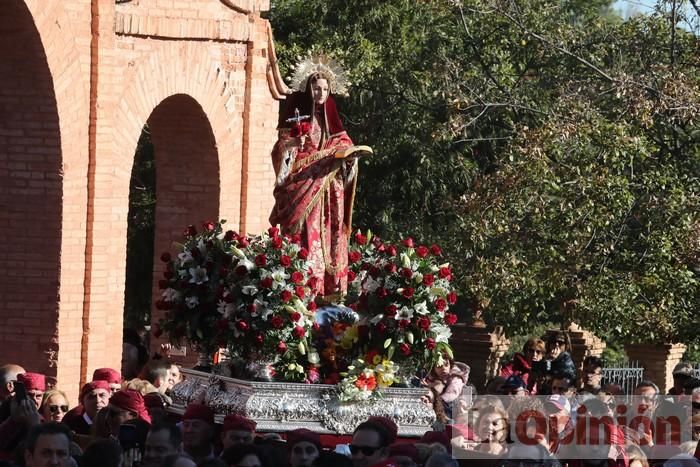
column 366, row 383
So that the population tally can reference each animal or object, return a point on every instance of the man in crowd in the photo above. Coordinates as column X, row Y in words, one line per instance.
column 113, row 378
column 48, row 445
column 198, row 431
column 34, row 386
column 163, row 440
column 174, row 376
column 126, row 406
column 592, row 375
column 682, row 373
column 8, row 376
column 237, row 429
column 558, row 409
column 370, row 444
column 93, row 397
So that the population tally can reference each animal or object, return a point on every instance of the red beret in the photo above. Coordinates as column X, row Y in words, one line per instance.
column 404, row 449
column 107, row 374
column 33, row 381
column 302, row 434
column 199, row 412
column 430, row 437
column 91, row 386
column 233, row 421
column 388, row 424
column 128, row 399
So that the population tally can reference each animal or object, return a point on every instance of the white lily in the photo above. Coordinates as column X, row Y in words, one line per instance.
column 171, row 295
column 191, row 302
column 199, row 275
column 421, row 308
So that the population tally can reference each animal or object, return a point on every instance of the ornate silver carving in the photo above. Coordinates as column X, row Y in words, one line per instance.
column 287, row 406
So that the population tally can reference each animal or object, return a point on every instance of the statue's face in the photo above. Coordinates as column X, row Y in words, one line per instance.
column 320, row 91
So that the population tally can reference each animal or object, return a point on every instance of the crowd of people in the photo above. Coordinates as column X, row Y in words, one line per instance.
column 121, row 419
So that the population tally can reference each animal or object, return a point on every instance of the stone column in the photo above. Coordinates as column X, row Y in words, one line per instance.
column 658, row 361
column 481, row 348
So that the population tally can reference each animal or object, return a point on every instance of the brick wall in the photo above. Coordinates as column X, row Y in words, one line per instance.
column 73, row 100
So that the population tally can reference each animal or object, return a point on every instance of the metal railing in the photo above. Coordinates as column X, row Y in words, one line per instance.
column 627, row 376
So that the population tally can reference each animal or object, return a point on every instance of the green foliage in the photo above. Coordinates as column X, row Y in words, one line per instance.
column 140, row 232
column 552, row 149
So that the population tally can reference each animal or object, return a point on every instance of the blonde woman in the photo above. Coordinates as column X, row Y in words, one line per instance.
column 54, row 405
column 492, row 429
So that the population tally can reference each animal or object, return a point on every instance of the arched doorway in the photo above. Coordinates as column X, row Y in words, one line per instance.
column 31, row 191
column 186, row 183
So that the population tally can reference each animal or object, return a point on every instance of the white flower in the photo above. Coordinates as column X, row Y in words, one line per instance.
column 292, row 249
column 199, row 275
column 225, row 309
column 266, row 313
column 279, row 277
column 249, row 290
column 418, row 278
column 237, row 253
column 405, row 260
column 442, row 332
column 404, row 313
column 313, row 358
column 202, row 247
column 371, row 285
column 171, row 295
column 182, row 273
column 421, row 308
column 184, row 257
column 191, row 302
column 437, row 292
column 376, row 319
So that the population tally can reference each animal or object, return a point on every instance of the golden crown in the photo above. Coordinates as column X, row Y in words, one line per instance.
column 323, row 65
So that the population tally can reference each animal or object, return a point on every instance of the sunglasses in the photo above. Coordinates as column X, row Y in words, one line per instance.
column 365, row 450
column 56, row 408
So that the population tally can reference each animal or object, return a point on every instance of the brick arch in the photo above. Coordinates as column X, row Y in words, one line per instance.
column 187, row 175
column 43, row 131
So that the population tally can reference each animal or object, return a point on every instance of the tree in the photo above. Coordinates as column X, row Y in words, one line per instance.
column 552, row 148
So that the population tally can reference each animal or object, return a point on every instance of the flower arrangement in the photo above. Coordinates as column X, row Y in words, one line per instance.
column 365, row 378
column 251, row 294
column 405, row 294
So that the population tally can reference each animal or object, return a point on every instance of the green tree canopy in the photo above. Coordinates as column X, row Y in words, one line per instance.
column 551, row 148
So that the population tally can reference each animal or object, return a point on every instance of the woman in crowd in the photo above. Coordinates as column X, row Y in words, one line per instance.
column 54, row 406
column 492, row 429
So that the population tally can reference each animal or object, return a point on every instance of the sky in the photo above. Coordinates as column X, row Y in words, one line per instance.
column 632, row 7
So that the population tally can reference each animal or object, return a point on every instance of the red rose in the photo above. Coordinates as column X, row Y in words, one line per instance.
column 243, row 242
column 360, row 239
column 281, row 347
column 251, row 308
column 408, row 292
column 242, row 325
column 430, row 343
column 435, row 250
column 296, row 316
column 391, row 250
column 422, row 251
column 261, row 260
column 259, row 340
column 241, row 271
column 277, row 322
column 273, row 231
column 404, row 323
column 450, row 319
column 297, row 277
column 168, row 274
column 295, row 239
column 354, row 256
column 390, row 268
column 351, row 276
column 440, row 304
column 229, row 235
column 445, row 273
column 391, row 310
column 277, row 243
column 286, row 296
column 423, row 323
column 266, row 283
column 407, row 273
column 299, row 291
column 382, row 292
column 311, row 306
column 312, row 282
column 374, row 271
column 209, row 226
column 408, row 242
column 381, row 327
column 299, row 332
column 452, row 298
column 165, row 257
column 285, row 261
column 428, row 280
column 190, row 231
column 303, row 253
column 405, row 349
column 162, row 284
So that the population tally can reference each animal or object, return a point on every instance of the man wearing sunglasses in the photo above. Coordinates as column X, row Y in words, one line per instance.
column 370, row 444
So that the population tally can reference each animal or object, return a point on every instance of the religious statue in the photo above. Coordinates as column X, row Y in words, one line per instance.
column 316, row 168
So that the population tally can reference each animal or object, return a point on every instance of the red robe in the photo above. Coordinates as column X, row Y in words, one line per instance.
column 315, row 192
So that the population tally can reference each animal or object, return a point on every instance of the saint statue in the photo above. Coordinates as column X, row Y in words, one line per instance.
column 316, row 173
